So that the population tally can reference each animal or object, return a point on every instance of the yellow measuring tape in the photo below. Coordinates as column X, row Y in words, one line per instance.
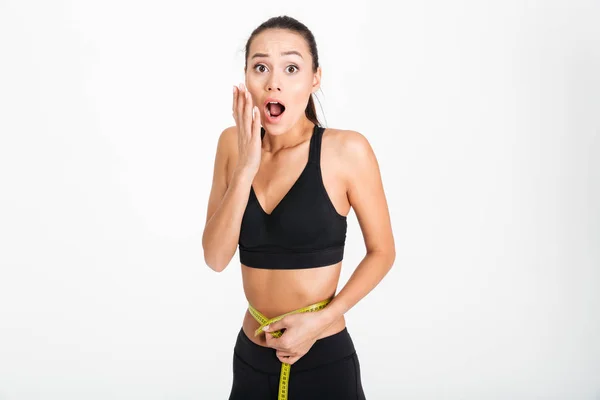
column 284, row 377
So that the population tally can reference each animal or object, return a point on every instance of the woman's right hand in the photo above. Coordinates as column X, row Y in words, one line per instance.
column 247, row 120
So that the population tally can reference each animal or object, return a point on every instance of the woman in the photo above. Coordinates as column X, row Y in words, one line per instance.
column 282, row 188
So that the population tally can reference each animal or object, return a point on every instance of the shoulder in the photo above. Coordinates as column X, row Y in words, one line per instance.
column 352, row 152
column 228, row 136
column 228, row 141
column 349, row 146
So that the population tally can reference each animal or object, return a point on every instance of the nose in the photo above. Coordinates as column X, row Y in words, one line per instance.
column 273, row 84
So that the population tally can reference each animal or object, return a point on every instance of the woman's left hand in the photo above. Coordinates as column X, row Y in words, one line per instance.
column 301, row 332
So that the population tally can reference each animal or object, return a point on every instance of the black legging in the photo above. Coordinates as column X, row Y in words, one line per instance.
column 330, row 370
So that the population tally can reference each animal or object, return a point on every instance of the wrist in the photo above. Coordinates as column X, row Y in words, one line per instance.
column 330, row 315
column 243, row 174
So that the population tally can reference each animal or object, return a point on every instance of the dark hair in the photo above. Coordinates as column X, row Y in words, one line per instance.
column 289, row 23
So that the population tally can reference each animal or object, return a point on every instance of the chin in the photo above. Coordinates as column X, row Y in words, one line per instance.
column 280, row 127
column 277, row 128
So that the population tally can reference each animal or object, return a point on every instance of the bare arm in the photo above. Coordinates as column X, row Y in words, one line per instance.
column 365, row 192
column 239, row 146
column 226, row 206
column 367, row 197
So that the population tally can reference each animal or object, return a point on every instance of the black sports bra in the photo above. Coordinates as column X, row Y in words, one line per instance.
column 303, row 231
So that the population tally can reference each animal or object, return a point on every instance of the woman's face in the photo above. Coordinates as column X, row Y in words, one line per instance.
column 279, row 68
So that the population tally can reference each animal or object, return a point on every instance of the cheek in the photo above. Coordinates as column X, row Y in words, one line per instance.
column 300, row 94
column 254, row 83
column 253, row 87
column 300, row 87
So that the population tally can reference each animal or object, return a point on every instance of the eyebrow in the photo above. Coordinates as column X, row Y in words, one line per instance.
column 285, row 53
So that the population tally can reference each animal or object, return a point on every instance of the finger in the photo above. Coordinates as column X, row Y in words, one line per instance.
column 289, row 360
column 281, row 353
column 256, row 123
column 248, row 113
column 281, row 344
column 275, row 343
column 240, row 104
column 240, row 107
column 285, row 359
column 276, row 325
column 234, row 105
column 271, row 341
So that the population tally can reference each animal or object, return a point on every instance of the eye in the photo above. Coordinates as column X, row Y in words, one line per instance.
column 259, row 65
column 264, row 68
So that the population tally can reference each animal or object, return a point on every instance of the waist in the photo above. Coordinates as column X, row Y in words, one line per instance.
column 275, row 292
column 333, row 344
column 250, row 325
column 256, row 318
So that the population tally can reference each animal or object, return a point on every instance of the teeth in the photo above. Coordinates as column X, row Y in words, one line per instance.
column 272, row 102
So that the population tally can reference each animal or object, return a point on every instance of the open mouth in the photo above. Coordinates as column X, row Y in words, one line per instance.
column 274, row 109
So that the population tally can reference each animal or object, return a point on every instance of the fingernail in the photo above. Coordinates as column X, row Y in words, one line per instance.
column 266, row 328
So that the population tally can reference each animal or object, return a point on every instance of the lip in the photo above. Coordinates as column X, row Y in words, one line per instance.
column 269, row 99
column 269, row 119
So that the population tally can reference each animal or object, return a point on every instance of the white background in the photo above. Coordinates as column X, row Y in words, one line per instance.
column 484, row 117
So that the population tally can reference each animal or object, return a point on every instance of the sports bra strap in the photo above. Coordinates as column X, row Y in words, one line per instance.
column 315, row 146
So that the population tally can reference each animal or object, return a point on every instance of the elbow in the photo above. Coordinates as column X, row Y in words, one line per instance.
column 210, row 257
column 387, row 257
column 392, row 258
column 390, row 251
column 391, row 255
column 214, row 263
column 216, row 260
column 216, row 256
column 219, row 268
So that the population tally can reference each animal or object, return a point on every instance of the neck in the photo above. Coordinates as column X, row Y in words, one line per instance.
column 273, row 142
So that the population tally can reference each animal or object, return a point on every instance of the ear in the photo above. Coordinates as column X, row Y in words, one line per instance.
column 316, row 80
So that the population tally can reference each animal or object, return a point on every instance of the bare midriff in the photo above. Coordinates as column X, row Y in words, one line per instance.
column 274, row 292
